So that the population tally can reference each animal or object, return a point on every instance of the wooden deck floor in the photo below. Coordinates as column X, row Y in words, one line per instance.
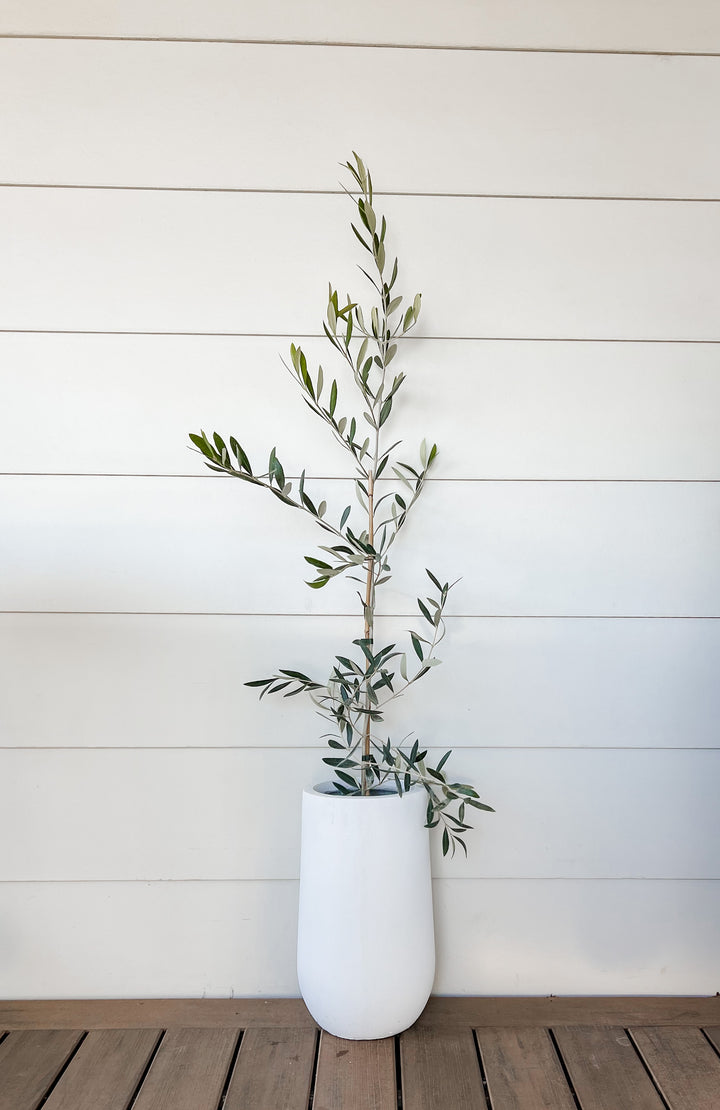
column 463, row 1054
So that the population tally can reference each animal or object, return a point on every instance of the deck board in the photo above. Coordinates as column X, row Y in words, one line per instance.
column 440, row 1068
column 189, row 1070
column 29, row 1063
column 163, row 1013
column 355, row 1075
column 105, row 1071
column 605, row 1069
column 464, row 1054
column 548, row 1012
column 684, row 1066
column 274, row 1069
column 245, row 1013
column 522, row 1070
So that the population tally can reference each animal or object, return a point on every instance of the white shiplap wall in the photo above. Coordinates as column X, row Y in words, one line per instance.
column 170, row 215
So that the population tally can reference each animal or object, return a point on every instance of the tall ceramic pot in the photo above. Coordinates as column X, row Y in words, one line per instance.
column 366, row 945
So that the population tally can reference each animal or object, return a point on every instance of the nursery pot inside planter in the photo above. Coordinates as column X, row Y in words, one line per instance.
column 366, row 946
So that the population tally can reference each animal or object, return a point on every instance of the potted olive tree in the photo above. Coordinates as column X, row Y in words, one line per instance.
column 365, row 943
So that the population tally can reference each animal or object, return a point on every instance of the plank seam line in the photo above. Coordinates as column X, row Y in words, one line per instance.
column 146, row 1069
column 483, row 1073
column 381, row 481
column 345, row 616
column 710, row 1041
column 266, row 748
column 318, row 335
column 647, row 1068
column 62, row 1071
column 561, row 1060
column 230, row 1070
column 397, row 1057
column 276, row 191
column 233, row 881
column 314, row 1069
column 340, row 44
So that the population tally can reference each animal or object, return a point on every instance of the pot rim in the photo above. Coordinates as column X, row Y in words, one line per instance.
column 316, row 791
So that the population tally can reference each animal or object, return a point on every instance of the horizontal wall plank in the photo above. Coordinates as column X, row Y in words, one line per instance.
column 550, row 683
column 182, row 114
column 196, row 544
column 172, row 681
column 136, row 940
column 180, row 814
column 260, row 263
column 573, row 938
column 527, row 409
column 554, row 24
column 180, row 940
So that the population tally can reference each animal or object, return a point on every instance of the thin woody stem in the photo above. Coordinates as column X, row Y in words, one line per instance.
column 369, row 607
column 370, row 583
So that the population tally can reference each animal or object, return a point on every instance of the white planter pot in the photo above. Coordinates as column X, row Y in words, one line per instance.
column 366, row 945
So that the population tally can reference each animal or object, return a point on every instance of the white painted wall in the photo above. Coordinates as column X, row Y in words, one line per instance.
column 170, row 215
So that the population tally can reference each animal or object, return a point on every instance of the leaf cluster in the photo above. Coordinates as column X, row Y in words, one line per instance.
column 357, row 693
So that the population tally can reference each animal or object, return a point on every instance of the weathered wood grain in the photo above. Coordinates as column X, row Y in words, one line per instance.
column 522, row 1070
column 520, row 1012
column 29, row 1063
column 605, row 1069
column 671, row 1060
column 189, row 1071
column 439, row 1067
column 155, row 1013
column 291, row 1013
column 355, row 1075
column 684, row 1066
column 105, row 1071
column 274, row 1069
